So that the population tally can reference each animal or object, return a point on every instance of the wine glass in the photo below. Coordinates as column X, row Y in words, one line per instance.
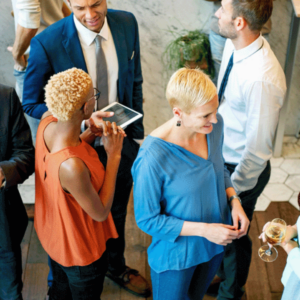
column 274, row 234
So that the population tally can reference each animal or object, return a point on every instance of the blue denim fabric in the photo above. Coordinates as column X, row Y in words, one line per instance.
column 185, row 284
column 10, row 274
column 78, row 283
column 33, row 123
column 217, row 44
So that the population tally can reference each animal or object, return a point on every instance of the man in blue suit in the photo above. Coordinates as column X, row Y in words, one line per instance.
column 72, row 42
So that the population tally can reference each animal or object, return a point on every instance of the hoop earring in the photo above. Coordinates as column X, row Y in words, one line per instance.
column 178, row 123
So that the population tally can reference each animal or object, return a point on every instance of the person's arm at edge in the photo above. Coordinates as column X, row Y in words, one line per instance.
column 21, row 44
column 137, row 128
column 293, row 250
column 20, row 164
column 29, row 12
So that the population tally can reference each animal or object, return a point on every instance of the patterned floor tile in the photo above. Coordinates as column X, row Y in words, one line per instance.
column 278, row 175
column 293, row 182
column 291, row 166
column 294, row 200
column 277, row 192
column 276, row 162
column 262, row 203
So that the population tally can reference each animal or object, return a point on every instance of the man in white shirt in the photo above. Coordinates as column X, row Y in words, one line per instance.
column 32, row 17
column 251, row 89
column 105, row 44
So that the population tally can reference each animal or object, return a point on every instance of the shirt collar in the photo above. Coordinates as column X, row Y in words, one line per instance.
column 249, row 50
column 87, row 36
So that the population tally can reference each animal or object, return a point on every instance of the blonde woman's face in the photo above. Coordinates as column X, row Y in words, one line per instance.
column 202, row 118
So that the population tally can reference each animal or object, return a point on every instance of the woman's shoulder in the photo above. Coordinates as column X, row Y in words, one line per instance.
column 153, row 145
column 154, row 151
column 218, row 128
column 220, row 120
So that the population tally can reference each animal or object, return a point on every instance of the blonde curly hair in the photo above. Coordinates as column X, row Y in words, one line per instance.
column 189, row 88
column 66, row 92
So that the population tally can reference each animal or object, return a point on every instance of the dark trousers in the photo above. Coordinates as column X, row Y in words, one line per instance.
column 237, row 258
column 116, row 247
column 10, row 274
column 190, row 283
column 78, row 283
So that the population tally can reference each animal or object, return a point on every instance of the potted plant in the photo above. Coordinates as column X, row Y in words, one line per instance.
column 191, row 50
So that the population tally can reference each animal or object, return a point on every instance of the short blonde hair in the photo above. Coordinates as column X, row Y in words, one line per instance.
column 189, row 88
column 66, row 92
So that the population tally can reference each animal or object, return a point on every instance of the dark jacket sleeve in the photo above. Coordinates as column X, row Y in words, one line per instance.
column 37, row 75
column 18, row 163
column 136, row 129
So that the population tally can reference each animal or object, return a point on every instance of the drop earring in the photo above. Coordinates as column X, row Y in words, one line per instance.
column 178, row 123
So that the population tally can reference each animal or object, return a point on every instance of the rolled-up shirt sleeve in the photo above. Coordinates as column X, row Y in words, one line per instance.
column 29, row 13
column 147, row 193
column 263, row 104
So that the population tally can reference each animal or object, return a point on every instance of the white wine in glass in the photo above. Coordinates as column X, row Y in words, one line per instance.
column 274, row 234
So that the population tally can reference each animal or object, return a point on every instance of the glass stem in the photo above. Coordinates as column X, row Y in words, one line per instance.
column 269, row 251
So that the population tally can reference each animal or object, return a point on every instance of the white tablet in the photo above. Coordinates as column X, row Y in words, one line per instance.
column 123, row 115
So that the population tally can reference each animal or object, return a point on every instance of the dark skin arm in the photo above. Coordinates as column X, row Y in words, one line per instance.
column 75, row 178
column 93, row 129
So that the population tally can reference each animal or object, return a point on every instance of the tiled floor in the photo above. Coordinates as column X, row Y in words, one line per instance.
column 284, row 184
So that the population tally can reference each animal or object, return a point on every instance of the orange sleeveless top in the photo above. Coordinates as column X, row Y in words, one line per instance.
column 67, row 233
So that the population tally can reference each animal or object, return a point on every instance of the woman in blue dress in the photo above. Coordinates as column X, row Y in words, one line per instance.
column 183, row 195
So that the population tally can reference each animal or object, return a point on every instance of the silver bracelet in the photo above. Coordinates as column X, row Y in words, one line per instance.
column 234, row 197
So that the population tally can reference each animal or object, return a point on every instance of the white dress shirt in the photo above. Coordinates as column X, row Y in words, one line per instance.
column 88, row 45
column 87, row 41
column 250, row 108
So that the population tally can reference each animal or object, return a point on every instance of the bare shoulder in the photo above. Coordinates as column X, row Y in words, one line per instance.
column 73, row 169
column 162, row 131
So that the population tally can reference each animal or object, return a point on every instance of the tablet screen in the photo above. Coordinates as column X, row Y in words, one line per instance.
column 122, row 114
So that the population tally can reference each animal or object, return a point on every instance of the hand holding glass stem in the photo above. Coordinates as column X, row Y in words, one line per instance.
column 273, row 233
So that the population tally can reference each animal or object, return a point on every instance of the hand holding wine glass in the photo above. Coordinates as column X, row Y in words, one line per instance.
column 273, row 233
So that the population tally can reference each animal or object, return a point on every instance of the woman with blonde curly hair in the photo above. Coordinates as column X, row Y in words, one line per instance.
column 73, row 192
column 181, row 187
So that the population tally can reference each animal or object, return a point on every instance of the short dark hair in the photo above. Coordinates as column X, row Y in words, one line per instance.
column 255, row 12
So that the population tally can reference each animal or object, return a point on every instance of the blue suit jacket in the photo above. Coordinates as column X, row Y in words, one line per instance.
column 58, row 48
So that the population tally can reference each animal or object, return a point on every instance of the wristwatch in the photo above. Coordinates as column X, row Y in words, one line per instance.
column 235, row 197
